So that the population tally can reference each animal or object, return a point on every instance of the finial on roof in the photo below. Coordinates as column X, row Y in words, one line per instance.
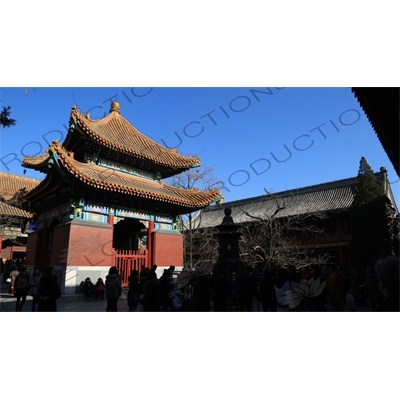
column 115, row 106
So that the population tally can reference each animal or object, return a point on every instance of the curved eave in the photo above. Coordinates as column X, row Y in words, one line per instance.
column 44, row 187
column 114, row 126
column 119, row 182
column 37, row 163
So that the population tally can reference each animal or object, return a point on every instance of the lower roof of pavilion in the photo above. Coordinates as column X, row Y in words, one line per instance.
column 69, row 179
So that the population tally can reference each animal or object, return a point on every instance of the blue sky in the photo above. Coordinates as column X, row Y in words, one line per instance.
column 254, row 138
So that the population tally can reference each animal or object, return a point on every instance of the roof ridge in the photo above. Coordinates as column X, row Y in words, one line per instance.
column 296, row 191
column 8, row 174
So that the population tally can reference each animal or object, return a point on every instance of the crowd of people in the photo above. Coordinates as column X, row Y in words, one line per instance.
column 276, row 288
column 42, row 286
column 308, row 289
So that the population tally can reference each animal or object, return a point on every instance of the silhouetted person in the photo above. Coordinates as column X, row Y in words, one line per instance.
column 374, row 295
column 221, row 288
column 113, row 289
column 133, row 292
column 35, row 282
column 335, row 289
column 89, row 289
column 346, row 282
column 48, row 292
column 201, row 294
column 359, row 287
column 13, row 274
column 245, row 289
column 387, row 272
column 295, row 276
column 142, row 278
column 171, row 270
column 317, row 303
column 151, row 293
column 7, row 268
column 100, row 289
column 282, row 285
column 267, row 292
column 165, row 282
column 21, row 286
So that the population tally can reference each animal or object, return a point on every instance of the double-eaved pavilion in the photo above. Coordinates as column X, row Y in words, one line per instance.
column 103, row 201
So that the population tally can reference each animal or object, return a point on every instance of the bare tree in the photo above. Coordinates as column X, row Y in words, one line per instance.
column 202, row 240
column 272, row 238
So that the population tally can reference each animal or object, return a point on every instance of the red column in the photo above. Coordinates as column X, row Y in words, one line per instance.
column 110, row 219
column 150, row 230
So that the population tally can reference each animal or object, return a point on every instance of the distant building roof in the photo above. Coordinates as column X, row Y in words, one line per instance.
column 331, row 196
column 381, row 106
column 10, row 184
column 6, row 210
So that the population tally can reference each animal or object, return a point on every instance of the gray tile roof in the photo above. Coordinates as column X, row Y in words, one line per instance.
column 331, row 196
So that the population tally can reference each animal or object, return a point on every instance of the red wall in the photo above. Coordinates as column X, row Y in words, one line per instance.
column 76, row 243
column 167, row 248
column 89, row 245
column 59, row 248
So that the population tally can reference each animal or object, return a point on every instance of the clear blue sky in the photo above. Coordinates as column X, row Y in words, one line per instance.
column 245, row 134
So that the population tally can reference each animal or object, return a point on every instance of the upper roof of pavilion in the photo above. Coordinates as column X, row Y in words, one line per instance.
column 114, row 138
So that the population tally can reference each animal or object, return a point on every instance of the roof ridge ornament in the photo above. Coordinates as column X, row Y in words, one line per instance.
column 115, row 107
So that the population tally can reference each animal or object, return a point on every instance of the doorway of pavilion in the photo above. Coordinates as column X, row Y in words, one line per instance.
column 130, row 247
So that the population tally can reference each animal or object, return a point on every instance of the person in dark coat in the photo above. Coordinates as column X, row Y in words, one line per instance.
column 151, row 293
column 359, row 287
column 35, row 282
column 374, row 295
column 201, row 294
column 387, row 272
column 165, row 282
column 133, row 292
column 245, row 289
column 113, row 289
column 48, row 292
column 142, row 278
column 267, row 293
column 89, row 289
column 21, row 288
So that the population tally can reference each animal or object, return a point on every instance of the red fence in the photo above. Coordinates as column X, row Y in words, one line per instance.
column 128, row 260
